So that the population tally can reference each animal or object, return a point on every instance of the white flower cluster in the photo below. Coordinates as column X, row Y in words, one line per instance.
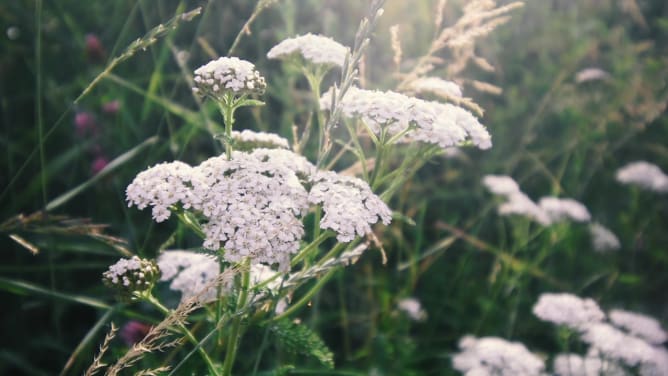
column 644, row 175
column 316, row 49
column 437, row 123
column 193, row 274
column 591, row 74
column 162, row 186
column 612, row 343
column 228, row 74
column 639, row 325
column 253, row 204
column 549, row 210
column 589, row 365
column 435, row 85
column 496, row 356
column 568, row 310
column 560, row 209
column 248, row 140
column 349, row 205
column 412, row 308
column 603, row 239
column 628, row 338
column 253, row 207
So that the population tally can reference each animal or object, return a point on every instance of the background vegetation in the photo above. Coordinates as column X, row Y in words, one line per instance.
column 473, row 271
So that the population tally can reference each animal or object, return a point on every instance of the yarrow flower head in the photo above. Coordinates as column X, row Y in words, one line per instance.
column 612, row 343
column 417, row 120
column 228, row 75
column 559, row 209
column 603, row 239
column 589, row 365
column 501, row 184
column 253, row 205
column 316, row 49
column 568, row 310
column 248, row 140
column 131, row 276
column 412, row 308
column 162, row 186
column 437, row 86
column 496, row 356
column 644, row 175
column 349, row 205
column 639, row 325
column 548, row 211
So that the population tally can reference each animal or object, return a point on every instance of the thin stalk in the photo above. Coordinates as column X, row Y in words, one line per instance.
column 227, row 108
column 166, row 311
column 233, row 339
column 307, row 297
column 311, row 246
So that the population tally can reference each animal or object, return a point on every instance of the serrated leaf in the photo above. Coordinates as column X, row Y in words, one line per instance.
column 300, row 339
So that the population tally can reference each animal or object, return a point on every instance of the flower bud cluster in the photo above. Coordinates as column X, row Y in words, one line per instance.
column 130, row 276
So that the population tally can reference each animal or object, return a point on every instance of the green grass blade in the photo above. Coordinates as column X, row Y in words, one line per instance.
column 119, row 161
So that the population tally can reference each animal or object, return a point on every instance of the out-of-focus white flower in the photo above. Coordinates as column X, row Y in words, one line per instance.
column 500, row 184
column 658, row 365
column 639, row 325
column 349, row 205
column 644, row 175
column 559, row 209
column 435, row 85
column 590, row 365
column 520, row 204
column 612, row 343
column 548, row 211
column 591, row 74
column 191, row 273
column 248, row 140
column 412, row 308
column 568, row 310
column 228, row 74
column 316, row 49
column 445, row 125
column 603, row 239
column 496, row 356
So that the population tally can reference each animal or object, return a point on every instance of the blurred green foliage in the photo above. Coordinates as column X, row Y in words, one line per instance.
column 474, row 271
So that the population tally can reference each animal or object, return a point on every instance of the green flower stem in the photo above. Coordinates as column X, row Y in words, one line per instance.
column 380, row 155
column 190, row 222
column 359, row 151
column 166, row 311
column 235, row 332
column 227, row 107
column 314, row 78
